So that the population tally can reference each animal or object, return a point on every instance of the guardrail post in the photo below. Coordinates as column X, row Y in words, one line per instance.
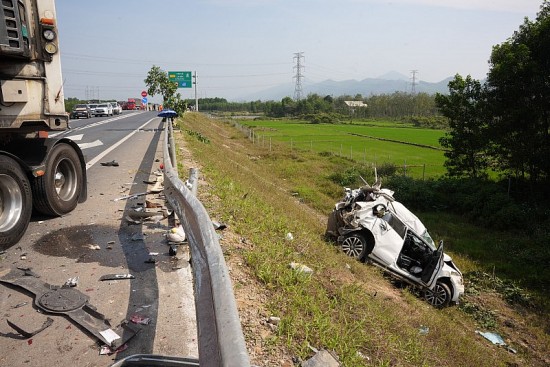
column 172, row 144
column 194, row 180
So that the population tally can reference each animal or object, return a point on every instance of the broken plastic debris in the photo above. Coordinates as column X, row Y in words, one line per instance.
column 138, row 237
column 106, row 350
column 289, row 236
column 116, row 276
column 301, row 268
column 28, row 271
column 27, row 334
column 109, row 335
column 94, row 247
column 492, row 337
column 176, row 235
column 423, row 330
column 139, row 319
column 322, row 358
column 112, row 163
column 71, row 282
column 126, row 197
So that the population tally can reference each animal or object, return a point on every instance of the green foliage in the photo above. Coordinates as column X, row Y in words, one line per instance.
column 157, row 82
column 519, row 91
column 466, row 141
column 71, row 102
column 350, row 177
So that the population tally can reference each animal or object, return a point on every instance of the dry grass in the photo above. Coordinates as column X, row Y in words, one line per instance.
column 344, row 306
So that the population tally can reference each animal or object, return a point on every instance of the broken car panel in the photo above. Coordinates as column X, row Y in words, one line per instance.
column 369, row 224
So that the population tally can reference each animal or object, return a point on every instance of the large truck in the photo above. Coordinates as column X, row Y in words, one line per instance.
column 36, row 171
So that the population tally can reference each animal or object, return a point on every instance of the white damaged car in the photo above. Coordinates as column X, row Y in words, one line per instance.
column 369, row 224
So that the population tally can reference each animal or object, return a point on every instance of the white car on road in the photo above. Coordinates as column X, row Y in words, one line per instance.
column 104, row 109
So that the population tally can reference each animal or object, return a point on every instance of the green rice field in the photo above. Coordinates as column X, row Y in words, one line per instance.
column 416, row 151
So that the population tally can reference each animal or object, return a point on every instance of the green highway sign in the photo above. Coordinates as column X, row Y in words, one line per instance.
column 183, row 78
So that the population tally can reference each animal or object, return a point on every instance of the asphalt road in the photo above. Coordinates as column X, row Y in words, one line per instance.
column 97, row 239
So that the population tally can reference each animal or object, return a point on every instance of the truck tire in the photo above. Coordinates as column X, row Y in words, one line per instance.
column 15, row 202
column 57, row 191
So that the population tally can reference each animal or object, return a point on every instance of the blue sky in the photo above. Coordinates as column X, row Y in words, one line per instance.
column 238, row 47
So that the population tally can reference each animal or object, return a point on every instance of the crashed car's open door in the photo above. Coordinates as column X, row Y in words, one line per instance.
column 430, row 272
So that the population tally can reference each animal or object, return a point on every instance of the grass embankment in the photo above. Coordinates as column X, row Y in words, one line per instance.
column 344, row 306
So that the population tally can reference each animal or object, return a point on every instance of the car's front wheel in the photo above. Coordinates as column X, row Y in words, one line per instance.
column 440, row 296
column 355, row 245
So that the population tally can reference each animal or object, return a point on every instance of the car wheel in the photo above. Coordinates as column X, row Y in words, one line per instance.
column 440, row 296
column 355, row 245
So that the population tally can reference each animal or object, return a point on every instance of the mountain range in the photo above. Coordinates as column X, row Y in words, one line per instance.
column 385, row 84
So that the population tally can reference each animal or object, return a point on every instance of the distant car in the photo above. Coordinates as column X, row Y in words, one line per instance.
column 117, row 110
column 81, row 110
column 104, row 109
column 369, row 224
column 92, row 107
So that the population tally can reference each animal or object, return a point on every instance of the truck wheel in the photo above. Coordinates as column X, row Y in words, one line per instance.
column 56, row 192
column 15, row 202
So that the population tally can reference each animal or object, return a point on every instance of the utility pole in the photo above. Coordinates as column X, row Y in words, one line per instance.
column 196, row 98
column 298, row 56
column 413, row 86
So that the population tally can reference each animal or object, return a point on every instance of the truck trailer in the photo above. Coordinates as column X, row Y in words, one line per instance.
column 37, row 172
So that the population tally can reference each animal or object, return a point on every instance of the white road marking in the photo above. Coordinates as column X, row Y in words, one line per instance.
column 114, row 146
column 75, row 137
column 96, row 143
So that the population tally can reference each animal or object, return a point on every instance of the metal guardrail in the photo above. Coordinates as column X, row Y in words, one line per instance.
column 220, row 337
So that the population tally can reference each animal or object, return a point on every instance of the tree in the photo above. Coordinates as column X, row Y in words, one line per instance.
column 519, row 93
column 157, row 82
column 466, row 140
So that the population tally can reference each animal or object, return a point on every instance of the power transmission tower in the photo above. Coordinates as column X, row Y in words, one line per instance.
column 298, row 56
column 413, row 86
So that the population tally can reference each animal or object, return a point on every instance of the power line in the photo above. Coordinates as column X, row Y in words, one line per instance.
column 298, row 56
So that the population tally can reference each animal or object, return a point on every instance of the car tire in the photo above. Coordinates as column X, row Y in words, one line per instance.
column 355, row 245
column 57, row 191
column 440, row 296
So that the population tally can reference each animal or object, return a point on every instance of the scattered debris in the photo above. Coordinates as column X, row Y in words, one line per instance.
column 71, row 282
column 106, row 350
column 27, row 334
column 218, row 225
column 138, row 236
column 133, row 196
column 151, row 204
column 496, row 340
column 116, row 276
column 129, row 220
column 71, row 303
column 28, row 272
column 173, row 251
column 176, row 235
column 20, row 304
column 301, row 268
column 139, row 319
column 112, row 163
column 322, row 358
